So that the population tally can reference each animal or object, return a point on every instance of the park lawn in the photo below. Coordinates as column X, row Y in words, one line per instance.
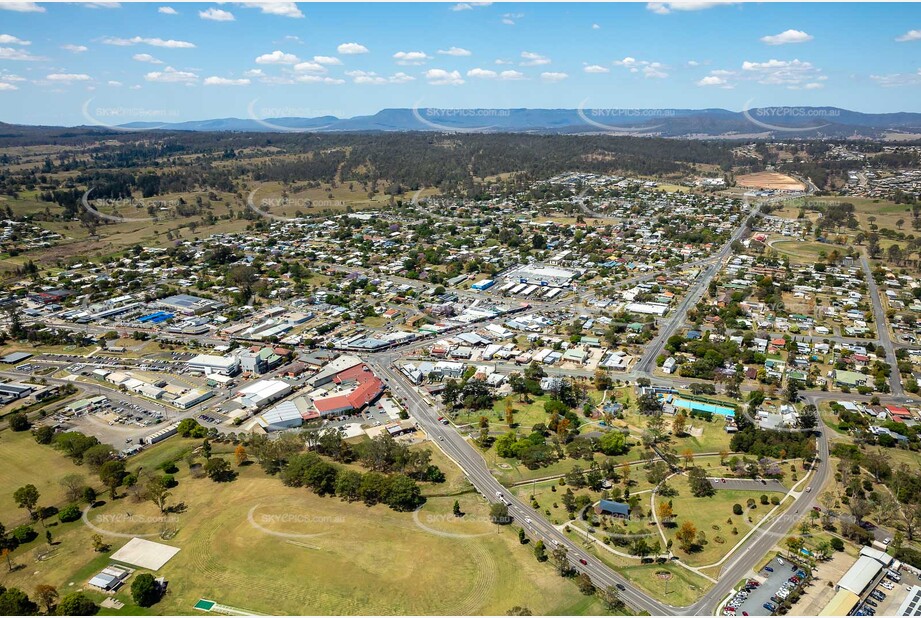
column 684, row 587
column 711, row 515
column 803, row 252
column 526, row 414
column 24, row 461
column 360, row 560
column 713, row 439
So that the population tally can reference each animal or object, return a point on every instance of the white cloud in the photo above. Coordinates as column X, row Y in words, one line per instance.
column 330, row 60
column 283, row 9
column 787, row 36
column 511, row 75
column 482, row 73
column 223, row 81
column 596, row 27
column 167, row 10
column 22, row 7
column 11, row 77
column 352, row 48
column 813, row 86
column 647, row 68
column 655, row 70
column 664, row 8
column 319, row 79
column 531, row 59
column 714, row 80
column 254, row 73
column 171, row 75
column 75, row 49
column 155, row 42
column 11, row 53
column 781, row 72
column 455, row 51
column 102, row 5
column 68, row 77
column 467, row 6
column 553, row 77
column 213, row 14
column 135, row 87
column 146, row 58
column 9, row 39
column 595, row 68
column 7, row 87
column 911, row 35
column 441, row 77
column 277, row 57
column 369, row 77
column 413, row 58
column 510, row 19
column 114, row 83
column 693, row 63
column 309, row 67
column 889, row 81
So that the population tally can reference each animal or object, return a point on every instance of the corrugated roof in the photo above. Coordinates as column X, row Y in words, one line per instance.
column 841, row 604
column 860, row 575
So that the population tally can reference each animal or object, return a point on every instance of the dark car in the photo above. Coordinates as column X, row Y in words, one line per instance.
column 769, row 569
column 583, row 561
column 621, row 587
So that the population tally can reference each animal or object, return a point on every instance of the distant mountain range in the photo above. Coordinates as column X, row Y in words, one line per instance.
column 777, row 122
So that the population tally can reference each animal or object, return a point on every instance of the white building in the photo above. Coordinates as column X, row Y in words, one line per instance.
column 209, row 364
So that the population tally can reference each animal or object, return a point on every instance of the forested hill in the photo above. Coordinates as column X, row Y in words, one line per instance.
column 412, row 160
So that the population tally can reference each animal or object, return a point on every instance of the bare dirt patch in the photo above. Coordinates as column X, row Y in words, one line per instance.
column 770, row 180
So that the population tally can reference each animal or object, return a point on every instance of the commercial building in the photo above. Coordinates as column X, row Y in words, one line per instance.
column 193, row 398
column 188, row 304
column 208, row 364
column 11, row 391
column 539, row 275
column 263, row 392
column 162, row 434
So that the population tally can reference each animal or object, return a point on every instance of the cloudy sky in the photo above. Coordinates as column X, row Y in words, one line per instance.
column 110, row 63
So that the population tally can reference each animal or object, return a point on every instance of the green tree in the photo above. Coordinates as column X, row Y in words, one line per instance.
column 26, row 497
column 144, row 590
column 77, row 604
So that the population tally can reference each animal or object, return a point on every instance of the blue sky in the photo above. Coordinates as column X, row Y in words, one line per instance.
column 165, row 62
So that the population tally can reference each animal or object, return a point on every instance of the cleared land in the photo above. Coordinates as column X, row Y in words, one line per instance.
column 770, row 180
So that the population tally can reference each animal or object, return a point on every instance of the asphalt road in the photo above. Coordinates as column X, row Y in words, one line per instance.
column 879, row 318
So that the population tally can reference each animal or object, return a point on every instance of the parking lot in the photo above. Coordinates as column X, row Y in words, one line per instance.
column 776, row 575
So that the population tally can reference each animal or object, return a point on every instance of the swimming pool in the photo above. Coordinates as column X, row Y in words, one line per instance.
column 698, row 406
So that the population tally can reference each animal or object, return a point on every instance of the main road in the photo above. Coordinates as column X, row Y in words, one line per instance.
column 882, row 329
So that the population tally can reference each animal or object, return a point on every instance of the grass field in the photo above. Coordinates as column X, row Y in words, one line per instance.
column 24, row 461
column 804, row 252
column 711, row 515
column 256, row 544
